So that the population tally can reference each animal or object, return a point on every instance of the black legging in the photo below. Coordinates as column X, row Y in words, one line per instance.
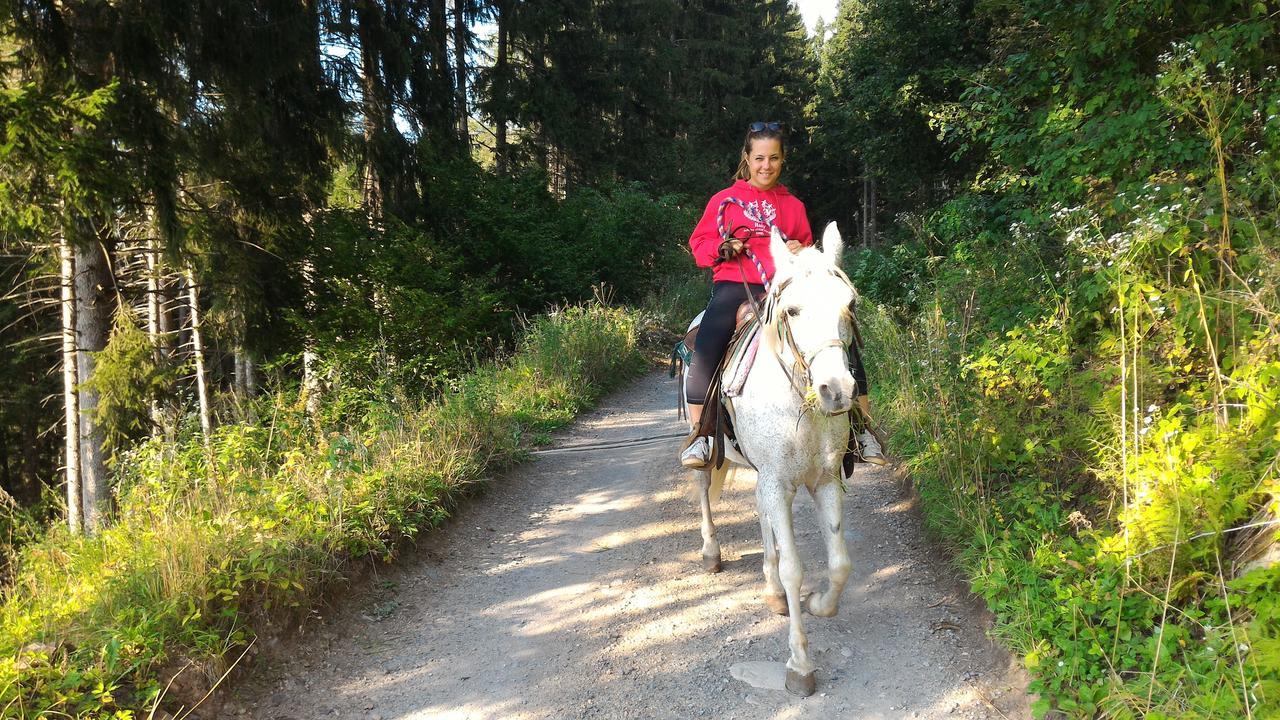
column 716, row 331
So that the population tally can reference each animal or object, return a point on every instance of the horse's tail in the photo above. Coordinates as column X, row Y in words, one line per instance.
column 718, row 477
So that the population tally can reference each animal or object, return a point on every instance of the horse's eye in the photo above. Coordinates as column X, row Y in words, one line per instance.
column 793, row 311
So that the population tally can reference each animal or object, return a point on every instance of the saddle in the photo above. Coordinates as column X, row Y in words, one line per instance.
column 717, row 414
column 717, row 411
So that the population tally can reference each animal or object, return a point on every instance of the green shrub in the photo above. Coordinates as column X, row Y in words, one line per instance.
column 209, row 540
column 1079, row 361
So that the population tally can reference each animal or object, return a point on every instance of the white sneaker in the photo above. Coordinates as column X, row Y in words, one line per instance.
column 871, row 451
column 698, row 454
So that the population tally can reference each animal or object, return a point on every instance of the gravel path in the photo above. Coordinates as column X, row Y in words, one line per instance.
column 572, row 588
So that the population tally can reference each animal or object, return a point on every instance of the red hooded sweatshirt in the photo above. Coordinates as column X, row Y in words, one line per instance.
column 775, row 205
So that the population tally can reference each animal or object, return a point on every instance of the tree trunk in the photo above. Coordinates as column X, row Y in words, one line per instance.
column 375, row 108
column 500, row 89
column 873, row 226
column 246, row 384
column 181, row 314
column 460, row 69
column 310, row 360
column 7, row 488
column 868, row 209
column 164, row 305
column 71, row 402
column 6, row 476
column 93, row 288
column 155, row 316
column 246, row 377
column 197, row 350
column 32, row 452
column 443, row 79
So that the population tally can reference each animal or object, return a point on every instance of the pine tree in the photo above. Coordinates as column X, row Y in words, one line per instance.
column 888, row 64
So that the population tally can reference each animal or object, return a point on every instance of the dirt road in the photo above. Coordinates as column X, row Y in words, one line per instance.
column 573, row 588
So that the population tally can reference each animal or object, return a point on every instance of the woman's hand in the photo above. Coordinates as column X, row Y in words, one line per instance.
column 794, row 246
column 730, row 248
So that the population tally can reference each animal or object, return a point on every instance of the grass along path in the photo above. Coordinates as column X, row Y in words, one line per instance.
column 212, row 543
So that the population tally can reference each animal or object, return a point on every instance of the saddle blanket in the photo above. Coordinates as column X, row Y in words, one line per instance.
column 742, row 355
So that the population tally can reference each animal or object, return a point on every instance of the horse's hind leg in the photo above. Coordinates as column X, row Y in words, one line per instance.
column 775, row 598
column 710, row 546
column 775, row 501
column 828, row 498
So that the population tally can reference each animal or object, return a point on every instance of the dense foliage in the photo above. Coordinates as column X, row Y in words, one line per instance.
column 370, row 185
column 213, row 538
column 1078, row 349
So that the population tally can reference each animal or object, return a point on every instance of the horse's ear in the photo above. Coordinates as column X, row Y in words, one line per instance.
column 782, row 258
column 832, row 243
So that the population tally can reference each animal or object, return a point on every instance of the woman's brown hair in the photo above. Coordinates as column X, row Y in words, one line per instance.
column 767, row 131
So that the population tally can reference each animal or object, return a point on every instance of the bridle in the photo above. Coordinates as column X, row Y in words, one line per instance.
column 802, row 364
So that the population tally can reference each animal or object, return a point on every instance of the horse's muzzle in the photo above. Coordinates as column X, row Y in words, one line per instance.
column 836, row 397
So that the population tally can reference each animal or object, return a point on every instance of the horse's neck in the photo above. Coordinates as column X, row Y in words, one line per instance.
column 768, row 381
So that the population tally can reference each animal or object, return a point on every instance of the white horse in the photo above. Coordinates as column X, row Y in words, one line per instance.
column 792, row 425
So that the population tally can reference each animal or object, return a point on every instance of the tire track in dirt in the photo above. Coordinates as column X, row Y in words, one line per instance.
column 572, row 588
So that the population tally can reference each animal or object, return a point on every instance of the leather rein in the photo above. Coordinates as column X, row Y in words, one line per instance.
column 803, row 361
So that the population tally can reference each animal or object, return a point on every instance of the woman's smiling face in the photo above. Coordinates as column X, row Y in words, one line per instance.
column 764, row 163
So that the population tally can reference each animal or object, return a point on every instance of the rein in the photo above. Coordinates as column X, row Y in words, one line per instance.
column 725, row 234
column 802, row 360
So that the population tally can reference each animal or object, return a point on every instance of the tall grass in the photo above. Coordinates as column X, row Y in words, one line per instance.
column 1093, row 457
column 209, row 542
column 678, row 298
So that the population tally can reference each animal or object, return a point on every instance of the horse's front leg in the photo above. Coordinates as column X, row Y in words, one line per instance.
column 829, row 499
column 774, row 499
column 775, row 598
column 710, row 546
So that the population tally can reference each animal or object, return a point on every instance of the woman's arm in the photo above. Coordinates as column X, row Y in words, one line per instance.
column 705, row 240
column 803, row 235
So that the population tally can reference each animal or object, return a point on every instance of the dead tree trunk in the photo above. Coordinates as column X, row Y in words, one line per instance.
column 155, row 317
column 70, row 400
column 93, row 322
column 197, row 351
column 310, row 360
column 245, row 380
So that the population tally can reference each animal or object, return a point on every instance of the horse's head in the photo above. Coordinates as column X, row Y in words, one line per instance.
column 808, row 315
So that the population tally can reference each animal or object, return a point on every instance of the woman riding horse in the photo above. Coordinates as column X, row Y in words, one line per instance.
column 755, row 203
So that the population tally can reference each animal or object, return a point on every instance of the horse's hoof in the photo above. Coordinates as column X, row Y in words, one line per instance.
column 811, row 607
column 802, row 685
column 711, row 564
column 777, row 604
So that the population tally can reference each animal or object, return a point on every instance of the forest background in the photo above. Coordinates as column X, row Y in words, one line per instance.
column 278, row 279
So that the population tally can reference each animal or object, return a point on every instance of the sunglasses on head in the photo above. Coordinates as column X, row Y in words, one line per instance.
column 759, row 126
